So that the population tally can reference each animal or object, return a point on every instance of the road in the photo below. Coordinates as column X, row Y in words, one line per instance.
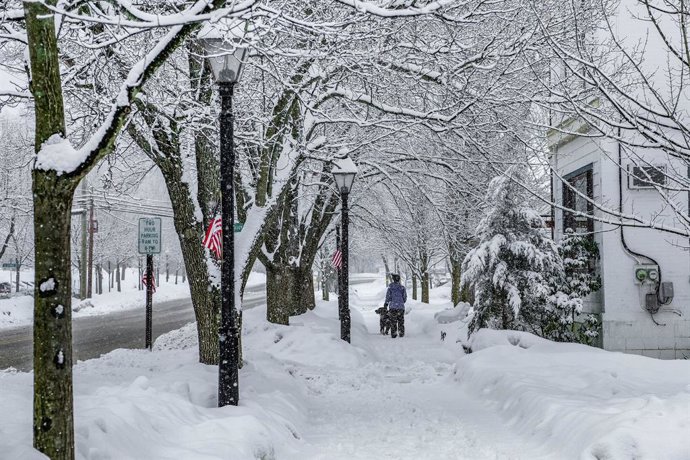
column 93, row 336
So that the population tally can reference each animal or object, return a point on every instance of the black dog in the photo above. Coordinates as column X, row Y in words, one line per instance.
column 384, row 320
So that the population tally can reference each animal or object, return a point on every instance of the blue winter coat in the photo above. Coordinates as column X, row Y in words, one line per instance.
column 396, row 296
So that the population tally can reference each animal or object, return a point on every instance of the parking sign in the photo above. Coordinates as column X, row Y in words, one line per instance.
column 150, row 235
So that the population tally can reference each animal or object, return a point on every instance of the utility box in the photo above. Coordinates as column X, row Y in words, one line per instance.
column 666, row 291
column 651, row 302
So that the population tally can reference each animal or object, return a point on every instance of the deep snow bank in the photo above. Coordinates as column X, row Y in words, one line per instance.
column 136, row 404
column 582, row 401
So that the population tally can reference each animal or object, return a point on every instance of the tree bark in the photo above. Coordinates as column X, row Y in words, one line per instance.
column 425, row 287
column 19, row 273
column 117, row 278
column 467, row 295
column 289, row 292
column 53, row 416
column 10, row 234
column 388, row 272
column 324, row 287
column 455, row 277
column 205, row 295
column 414, row 287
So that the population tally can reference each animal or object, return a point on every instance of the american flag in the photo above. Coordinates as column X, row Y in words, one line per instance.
column 145, row 282
column 337, row 259
column 214, row 234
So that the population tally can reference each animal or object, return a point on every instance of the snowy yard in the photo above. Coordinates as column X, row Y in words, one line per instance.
column 308, row 395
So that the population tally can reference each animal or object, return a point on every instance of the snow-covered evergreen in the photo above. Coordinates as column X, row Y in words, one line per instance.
column 513, row 266
column 567, row 324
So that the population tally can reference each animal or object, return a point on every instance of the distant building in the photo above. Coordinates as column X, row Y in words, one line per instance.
column 645, row 299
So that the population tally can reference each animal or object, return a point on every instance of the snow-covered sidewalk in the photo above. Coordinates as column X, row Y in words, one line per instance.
column 401, row 406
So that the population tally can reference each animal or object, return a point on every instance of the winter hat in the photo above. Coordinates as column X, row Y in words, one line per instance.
column 395, row 277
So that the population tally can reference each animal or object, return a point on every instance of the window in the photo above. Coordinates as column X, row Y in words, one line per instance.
column 581, row 186
column 646, row 176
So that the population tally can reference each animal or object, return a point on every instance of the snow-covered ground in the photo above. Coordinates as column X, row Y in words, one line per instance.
column 305, row 394
column 17, row 311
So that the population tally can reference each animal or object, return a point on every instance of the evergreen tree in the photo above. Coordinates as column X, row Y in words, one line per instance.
column 512, row 268
column 578, row 281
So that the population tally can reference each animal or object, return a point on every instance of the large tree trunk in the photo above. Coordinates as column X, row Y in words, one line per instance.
column 424, row 268
column 117, row 278
column 467, row 295
column 425, row 286
column 414, row 287
column 307, row 289
column 388, row 271
column 205, row 295
column 18, row 270
column 324, row 287
column 289, row 292
column 455, row 277
column 53, row 416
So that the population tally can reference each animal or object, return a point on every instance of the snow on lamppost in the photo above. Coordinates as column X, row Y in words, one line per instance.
column 226, row 53
column 344, row 171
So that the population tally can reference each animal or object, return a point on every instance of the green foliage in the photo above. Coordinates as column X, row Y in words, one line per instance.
column 565, row 321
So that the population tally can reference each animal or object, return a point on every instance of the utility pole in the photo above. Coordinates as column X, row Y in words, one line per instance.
column 89, row 281
column 82, row 264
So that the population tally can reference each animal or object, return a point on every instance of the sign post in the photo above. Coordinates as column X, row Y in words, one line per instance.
column 149, row 244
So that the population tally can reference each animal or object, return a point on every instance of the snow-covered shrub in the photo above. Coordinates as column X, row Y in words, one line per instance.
column 511, row 268
column 577, row 281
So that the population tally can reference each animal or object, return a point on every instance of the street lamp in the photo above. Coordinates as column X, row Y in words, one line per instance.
column 344, row 171
column 226, row 58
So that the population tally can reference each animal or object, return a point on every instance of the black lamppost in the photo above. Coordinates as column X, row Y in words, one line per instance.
column 344, row 172
column 226, row 59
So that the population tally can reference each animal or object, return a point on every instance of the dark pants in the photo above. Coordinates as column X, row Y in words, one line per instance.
column 397, row 319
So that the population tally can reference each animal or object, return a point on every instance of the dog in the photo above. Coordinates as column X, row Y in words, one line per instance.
column 384, row 320
column 443, row 336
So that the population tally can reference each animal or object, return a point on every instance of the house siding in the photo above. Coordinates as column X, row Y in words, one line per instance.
column 627, row 326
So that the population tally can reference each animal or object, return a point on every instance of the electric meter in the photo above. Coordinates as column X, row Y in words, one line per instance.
column 653, row 274
column 646, row 274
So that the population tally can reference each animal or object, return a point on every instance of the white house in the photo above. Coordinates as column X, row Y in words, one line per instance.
column 645, row 264
column 645, row 299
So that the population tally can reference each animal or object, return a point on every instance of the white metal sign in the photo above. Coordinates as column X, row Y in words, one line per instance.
column 150, row 235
